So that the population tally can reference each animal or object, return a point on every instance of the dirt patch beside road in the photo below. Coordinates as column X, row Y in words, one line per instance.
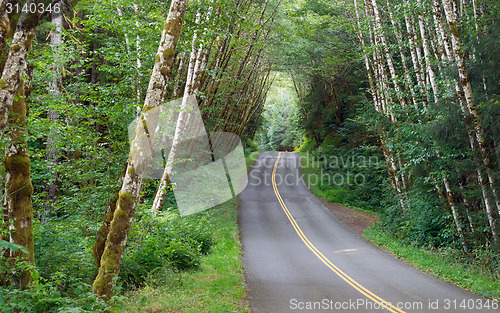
column 357, row 221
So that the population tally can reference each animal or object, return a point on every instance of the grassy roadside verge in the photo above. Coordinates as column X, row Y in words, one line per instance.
column 438, row 263
column 217, row 286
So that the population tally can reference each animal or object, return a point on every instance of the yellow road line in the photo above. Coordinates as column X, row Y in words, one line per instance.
column 367, row 293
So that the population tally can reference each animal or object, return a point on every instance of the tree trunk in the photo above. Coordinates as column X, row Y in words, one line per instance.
column 53, row 114
column 16, row 61
column 415, row 56
column 366, row 59
column 190, row 89
column 122, row 218
column 103, row 231
column 19, row 189
column 392, row 70
column 456, row 218
column 431, row 74
column 138, row 60
column 399, row 37
column 178, row 77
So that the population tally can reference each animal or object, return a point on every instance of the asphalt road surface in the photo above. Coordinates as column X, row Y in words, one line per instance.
column 298, row 257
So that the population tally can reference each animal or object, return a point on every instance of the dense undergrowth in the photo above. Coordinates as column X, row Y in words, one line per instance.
column 65, row 270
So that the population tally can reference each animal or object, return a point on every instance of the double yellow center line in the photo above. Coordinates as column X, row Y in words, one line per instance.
column 367, row 293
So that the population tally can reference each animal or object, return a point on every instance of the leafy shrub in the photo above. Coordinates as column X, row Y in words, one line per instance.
column 336, row 195
column 45, row 296
column 250, row 147
column 182, row 255
column 164, row 241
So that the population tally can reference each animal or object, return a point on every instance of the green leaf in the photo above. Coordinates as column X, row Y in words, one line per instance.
column 12, row 246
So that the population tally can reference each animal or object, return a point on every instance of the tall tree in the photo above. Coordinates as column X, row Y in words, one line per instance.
column 122, row 218
column 19, row 189
column 53, row 114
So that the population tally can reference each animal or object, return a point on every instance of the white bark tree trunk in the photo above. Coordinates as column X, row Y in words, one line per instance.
column 190, row 89
column 53, row 114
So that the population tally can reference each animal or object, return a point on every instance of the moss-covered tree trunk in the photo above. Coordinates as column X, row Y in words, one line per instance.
column 102, row 233
column 111, row 259
column 16, row 61
column 18, row 187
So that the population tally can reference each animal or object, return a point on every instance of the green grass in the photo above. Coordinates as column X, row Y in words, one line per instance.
column 217, row 286
column 308, row 145
column 250, row 160
column 437, row 263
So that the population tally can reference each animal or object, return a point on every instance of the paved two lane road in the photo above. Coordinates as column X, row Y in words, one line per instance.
column 298, row 257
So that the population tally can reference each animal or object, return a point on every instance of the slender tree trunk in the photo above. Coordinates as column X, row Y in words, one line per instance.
column 122, row 218
column 380, row 89
column 191, row 88
column 366, row 59
column 53, row 114
column 415, row 55
column 456, row 218
column 390, row 62
column 138, row 60
column 431, row 74
column 399, row 37
column 178, row 77
column 467, row 207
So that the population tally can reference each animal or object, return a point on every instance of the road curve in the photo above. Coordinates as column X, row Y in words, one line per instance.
column 298, row 257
